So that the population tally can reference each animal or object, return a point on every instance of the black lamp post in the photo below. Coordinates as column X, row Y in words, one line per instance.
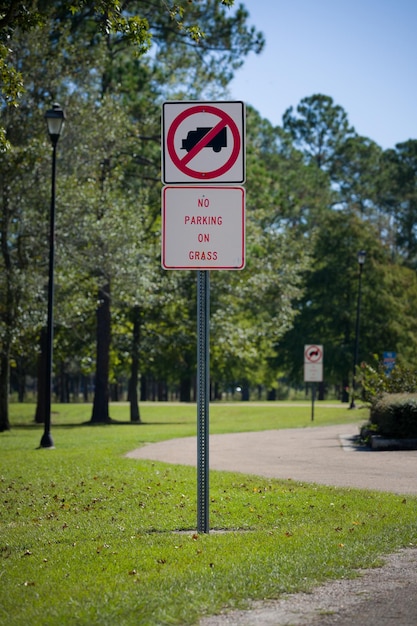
column 55, row 118
column 361, row 261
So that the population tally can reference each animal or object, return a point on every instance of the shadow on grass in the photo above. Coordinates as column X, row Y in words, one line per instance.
column 111, row 422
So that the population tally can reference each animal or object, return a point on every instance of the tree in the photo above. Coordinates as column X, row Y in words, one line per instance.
column 253, row 309
column 126, row 20
column 89, row 53
column 402, row 199
column 327, row 311
column 115, row 90
column 21, row 262
column 318, row 127
column 317, row 194
column 115, row 66
column 131, row 22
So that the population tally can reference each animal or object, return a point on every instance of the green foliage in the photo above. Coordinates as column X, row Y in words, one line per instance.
column 376, row 382
column 133, row 27
column 13, row 15
column 89, row 56
column 393, row 399
column 395, row 415
column 402, row 198
column 316, row 194
column 11, row 81
column 331, row 284
column 318, row 127
column 365, row 191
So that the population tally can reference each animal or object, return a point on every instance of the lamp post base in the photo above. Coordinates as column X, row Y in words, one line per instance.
column 46, row 441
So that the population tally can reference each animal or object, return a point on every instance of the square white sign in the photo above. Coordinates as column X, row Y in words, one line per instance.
column 203, row 142
column 203, row 228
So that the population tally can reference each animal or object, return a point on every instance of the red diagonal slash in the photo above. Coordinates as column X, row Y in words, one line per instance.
column 202, row 143
column 182, row 163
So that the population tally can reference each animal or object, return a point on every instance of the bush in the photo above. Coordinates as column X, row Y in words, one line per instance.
column 375, row 381
column 394, row 415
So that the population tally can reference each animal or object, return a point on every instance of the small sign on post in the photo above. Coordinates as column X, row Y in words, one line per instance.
column 313, row 369
column 313, row 364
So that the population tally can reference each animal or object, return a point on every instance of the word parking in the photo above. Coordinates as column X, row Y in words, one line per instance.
column 203, row 220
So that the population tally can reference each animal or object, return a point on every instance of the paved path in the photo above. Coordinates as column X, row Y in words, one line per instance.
column 320, row 454
column 323, row 455
column 383, row 596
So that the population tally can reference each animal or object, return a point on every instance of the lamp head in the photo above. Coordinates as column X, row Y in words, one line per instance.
column 361, row 257
column 55, row 119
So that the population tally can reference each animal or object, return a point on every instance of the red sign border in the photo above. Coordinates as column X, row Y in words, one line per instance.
column 211, row 176
column 205, row 267
column 319, row 348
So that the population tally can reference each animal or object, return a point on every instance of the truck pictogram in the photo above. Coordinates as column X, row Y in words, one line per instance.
column 193, row 137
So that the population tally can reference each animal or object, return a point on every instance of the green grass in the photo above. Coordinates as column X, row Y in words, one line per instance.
column 89, row 537
column 163, row 420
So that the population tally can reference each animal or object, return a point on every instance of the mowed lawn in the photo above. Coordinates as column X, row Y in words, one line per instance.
column 88, row 536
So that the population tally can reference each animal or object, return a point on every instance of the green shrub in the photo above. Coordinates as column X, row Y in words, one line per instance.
column 375, row 382
column 394, row 415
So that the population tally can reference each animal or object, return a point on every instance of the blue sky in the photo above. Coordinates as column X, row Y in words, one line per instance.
column 362, row 53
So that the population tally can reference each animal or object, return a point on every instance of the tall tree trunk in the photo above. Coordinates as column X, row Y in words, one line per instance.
column 101, row 390
column 21, row 379
column 345, row 390
column 4, row 391
column 162, row 391
column 7, row 317
column 185, row 389
column 63, row 384
column 144, row 387
column 85, row 383
column 245, row 391
column 134, row 372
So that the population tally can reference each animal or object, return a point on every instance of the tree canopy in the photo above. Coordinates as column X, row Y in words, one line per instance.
column 316, row 193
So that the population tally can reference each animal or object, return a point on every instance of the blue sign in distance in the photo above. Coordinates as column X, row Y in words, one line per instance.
column 389, row 361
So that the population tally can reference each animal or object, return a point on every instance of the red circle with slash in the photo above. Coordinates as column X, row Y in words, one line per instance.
column 313, row 354
column 182, row 163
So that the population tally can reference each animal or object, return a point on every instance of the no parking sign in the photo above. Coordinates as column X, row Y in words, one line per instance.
column 203, row 141
column 313, row 363
column 203, row 225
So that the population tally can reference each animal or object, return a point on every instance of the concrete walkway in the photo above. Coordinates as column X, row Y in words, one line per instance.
column 325, row 455
column 320, row 454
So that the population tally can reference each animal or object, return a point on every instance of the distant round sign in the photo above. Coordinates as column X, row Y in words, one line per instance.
column 313, row 354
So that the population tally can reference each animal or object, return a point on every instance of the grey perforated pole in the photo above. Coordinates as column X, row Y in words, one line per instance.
column 203, row 398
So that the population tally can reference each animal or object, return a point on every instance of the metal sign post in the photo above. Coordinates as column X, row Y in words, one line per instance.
column 313, row 369
column 203, row 226
column 203, row 398
column 313, row 397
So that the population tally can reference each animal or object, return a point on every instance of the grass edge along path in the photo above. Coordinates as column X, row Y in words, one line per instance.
column 89, row 537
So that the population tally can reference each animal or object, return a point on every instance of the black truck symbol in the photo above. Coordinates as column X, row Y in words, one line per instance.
column 218, row 142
